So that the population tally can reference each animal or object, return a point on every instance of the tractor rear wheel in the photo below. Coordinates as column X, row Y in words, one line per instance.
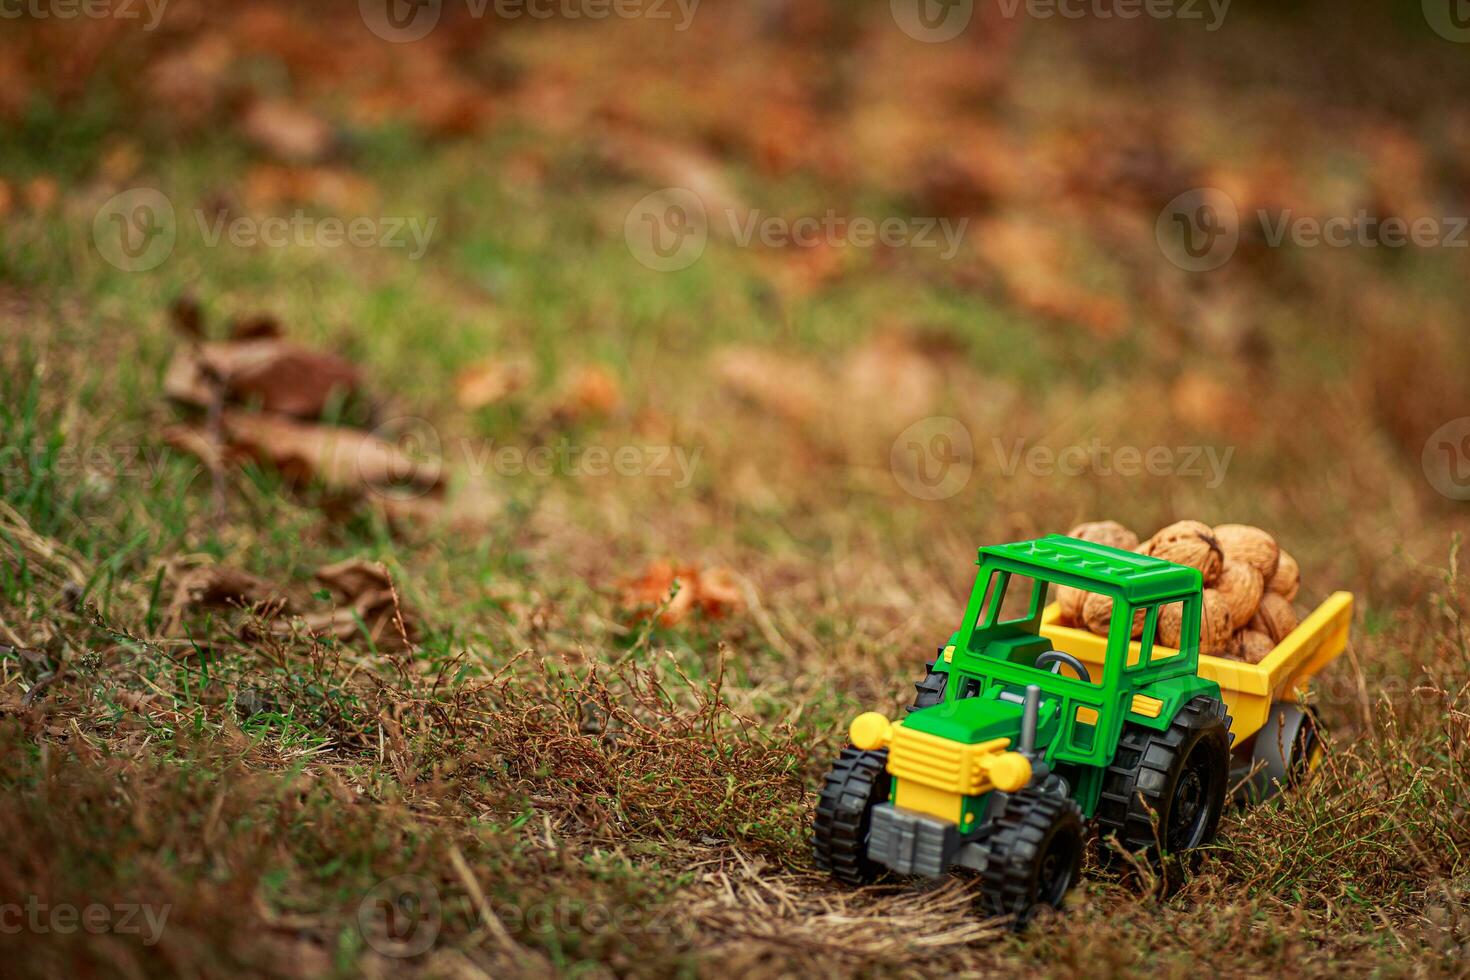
column 858, row 782
column 1033, row 856
column 1179, row 776
column 1287, row 750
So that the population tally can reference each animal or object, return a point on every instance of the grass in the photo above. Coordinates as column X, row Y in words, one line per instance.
column 561, row 787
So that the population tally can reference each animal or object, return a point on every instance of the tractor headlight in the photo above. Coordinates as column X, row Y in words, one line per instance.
column 870, row 730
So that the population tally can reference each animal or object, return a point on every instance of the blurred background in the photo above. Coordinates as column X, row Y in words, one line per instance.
column 545, row 304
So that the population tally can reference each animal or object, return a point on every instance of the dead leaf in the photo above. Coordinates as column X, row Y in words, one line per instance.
column 1030, row 259
column 274, row 374
column 1209, row 403
column 377, row 610
column 187, row 316
column 41, row 193
column 286, row 130
column 715, row 592
column 785, row 386
column 490, row 381
column 590, row 391
column 268, row 185
column 255, row 327
column 355, row 577
column 341, row 458
column 664, row 163
column 890, row 378
column 222, row 587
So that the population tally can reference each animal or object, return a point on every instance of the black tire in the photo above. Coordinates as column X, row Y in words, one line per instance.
column 858, row 782
column 1179, row 777
column 1284, row 752
column 1034, row 856
column 930, row 690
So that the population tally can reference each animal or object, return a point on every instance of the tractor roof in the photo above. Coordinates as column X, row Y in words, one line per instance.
column 1137, row 578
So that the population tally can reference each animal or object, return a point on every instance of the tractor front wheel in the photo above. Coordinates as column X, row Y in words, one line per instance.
column 858, row 782
column 1033, row 856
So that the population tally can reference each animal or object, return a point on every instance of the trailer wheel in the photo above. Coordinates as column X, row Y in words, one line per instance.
column 858, row 782
column 930, row 690
column 1289, row 745
column 1178, row 777
column 1033, row 856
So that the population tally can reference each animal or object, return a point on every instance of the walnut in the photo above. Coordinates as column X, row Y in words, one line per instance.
column 1070, row 600
column 1255, row 646
column 1242, row 586
column 1241, row 542
column 1215, row 631
column 1287, row 580
column 1274, row 617
column 1189, row 543
column 1097, row 613
column 1110, row 533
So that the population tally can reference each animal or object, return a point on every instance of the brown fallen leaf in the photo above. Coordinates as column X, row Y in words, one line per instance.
column 187, row 316
column 254, row 327
column 664, row 163
column 274, row 374
column 1031, row 259
column 889, row 378
column 355, row 577
column 286, row 130
column 591, row 391
column 223, row 587
column 715, row 592
column 341, row 458
column 42, row 193
column 786, row 386
column 388, row 625
column 489, row 381
column 268, row 185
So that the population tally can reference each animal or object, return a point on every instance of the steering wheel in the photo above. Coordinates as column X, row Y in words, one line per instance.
column 1057, row 658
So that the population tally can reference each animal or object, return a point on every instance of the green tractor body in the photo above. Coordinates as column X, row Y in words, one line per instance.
column 1013, row 750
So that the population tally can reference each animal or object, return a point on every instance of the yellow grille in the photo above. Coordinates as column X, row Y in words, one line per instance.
column 940, row 763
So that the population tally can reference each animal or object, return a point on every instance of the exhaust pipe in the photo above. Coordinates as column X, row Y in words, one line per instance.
column 1029, row 712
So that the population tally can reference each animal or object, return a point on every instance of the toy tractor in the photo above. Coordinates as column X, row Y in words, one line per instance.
column 1015, row 750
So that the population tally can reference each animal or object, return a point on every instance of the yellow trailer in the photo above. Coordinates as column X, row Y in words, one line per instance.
column 1276, row 735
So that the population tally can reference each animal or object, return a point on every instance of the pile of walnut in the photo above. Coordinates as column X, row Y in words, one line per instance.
column 1250, row 583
